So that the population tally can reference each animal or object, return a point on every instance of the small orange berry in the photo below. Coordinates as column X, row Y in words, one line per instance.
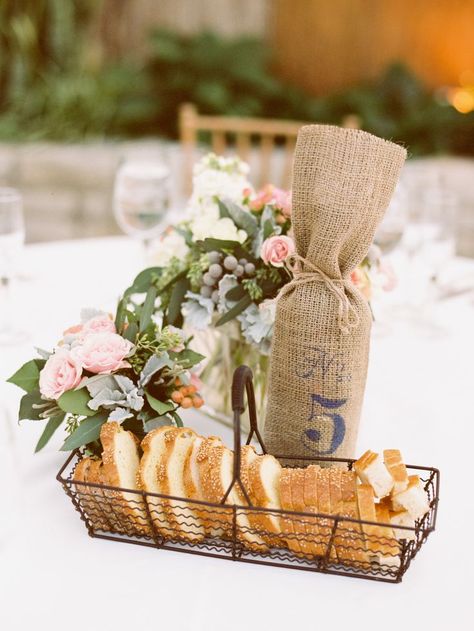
column 192, row 389
column 177, row 396
column 187, row 402
column 178, row 381
column 197, row 402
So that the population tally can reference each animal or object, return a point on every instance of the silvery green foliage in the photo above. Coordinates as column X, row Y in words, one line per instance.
column 257, row 327
column 153, row 365
column 226, row 283
column 197, row 311
column 88, row 313
column 267, row 216
column 120, row 415
column 112, row 391
column 42, row 353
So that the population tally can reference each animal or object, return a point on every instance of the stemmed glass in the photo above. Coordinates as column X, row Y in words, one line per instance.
column 12, row 238
column 141, row 198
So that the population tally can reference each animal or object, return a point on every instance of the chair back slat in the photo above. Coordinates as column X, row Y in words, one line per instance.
column 249, row 136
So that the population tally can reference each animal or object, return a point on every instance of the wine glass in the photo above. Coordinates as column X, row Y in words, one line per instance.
column 391, row 230
column 12, row 238
column 141, row 198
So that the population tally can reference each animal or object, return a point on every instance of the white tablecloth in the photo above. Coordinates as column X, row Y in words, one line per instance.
column 53, row 576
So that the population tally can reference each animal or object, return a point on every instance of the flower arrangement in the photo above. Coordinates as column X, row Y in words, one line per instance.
column 226, row 261
column 129, row 370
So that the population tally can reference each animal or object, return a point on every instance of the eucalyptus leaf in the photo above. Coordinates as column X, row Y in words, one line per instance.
column 240, row 306
column 76, row 402
column 236, row 293
column 242, row 218
column 143, row 281
column 32, row 406
column 187, row 358
column 51, row 426
column 131, row 332
column 177, row 419
column 153, row 365
column 120, row 314
column 211, row 244
column 176, row 299
column 159, row 406
column 87, row 432
column 27, row 377
column 147, row 309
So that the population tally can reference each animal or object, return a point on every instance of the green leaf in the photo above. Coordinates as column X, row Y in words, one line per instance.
column 268, row 228
column 27, row 411
column 236, row 293
column 120, row 314
column 143, row 281
column 159, row 406
column 210, row 244
column 177, row 296
column 27, row 377
column 147, row 309
column 243, row 303
column 177, row 418
column 131, row 332
column 242, row 219
column 87, row 432
column 75, row 402
column 51, row 426
column 186, row 358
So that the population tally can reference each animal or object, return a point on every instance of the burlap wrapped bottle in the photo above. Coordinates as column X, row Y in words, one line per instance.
column 343, row 180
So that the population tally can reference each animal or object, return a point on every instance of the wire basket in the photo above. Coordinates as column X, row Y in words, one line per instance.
column 332, row 544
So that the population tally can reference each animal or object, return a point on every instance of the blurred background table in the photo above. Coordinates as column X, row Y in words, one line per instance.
column 418, row 398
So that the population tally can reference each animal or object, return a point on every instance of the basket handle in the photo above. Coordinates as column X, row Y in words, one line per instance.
column 242, row 382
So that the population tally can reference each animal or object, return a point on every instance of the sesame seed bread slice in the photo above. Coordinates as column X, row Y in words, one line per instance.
column 84, row 493
column 301, row 525
column 388, row 546
column 262, row 481
column 351, row 540
column 151, row 474
column 121, row 461
column 182, row 517
column 103, row 516
column 311, row 506
column 247, row 531
column 335, row 499
column 324, row 506
column 214, row 520
column 286, row 522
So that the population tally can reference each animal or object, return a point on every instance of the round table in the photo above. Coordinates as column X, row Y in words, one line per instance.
column 53, row 576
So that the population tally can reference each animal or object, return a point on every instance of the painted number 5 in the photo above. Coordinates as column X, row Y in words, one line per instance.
column 330, row 428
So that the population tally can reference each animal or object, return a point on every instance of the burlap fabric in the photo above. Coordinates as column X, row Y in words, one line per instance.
column 343, row 180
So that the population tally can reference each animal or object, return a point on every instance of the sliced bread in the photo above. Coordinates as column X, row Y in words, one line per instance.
column 263, row 485
column 121, row 462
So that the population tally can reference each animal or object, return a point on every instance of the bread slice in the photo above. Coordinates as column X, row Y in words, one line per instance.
column 151, row 475
column 371, row 470
column 247, row 531
column 84, row 493
column 301, row 525
column 215, row 520
column 105, row 516
column 324, row 506
column 388, row 546
column 263, row 485
column 335, row 498
column 402, row 518
column 316, row 548
column 121, row 461
column 286, row 521
column 394, row 463
column 182, row 517
column 351, row 544
column 375, row 536
column 413, row 499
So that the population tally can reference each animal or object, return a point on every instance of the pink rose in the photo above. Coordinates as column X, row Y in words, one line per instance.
column 390, row 278
column 61, row 372
column 103, row 353
column 275, row 250
column 99, row 324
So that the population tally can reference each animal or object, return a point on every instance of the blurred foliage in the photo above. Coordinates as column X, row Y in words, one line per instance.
column 56, row 84
column 53, row 81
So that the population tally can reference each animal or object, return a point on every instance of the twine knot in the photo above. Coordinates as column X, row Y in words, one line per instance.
column 347, row 316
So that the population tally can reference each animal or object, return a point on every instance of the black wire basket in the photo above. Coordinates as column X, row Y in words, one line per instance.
column 316, row 542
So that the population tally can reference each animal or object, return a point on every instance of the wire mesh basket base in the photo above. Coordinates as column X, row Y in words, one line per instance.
column 338, row 544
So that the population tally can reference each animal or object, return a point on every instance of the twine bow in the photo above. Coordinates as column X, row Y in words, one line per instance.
column 347, row 317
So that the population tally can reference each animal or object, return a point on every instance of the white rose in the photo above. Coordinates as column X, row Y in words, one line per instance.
column 172, row 244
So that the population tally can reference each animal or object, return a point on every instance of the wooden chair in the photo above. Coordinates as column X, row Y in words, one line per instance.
column 241, row 135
